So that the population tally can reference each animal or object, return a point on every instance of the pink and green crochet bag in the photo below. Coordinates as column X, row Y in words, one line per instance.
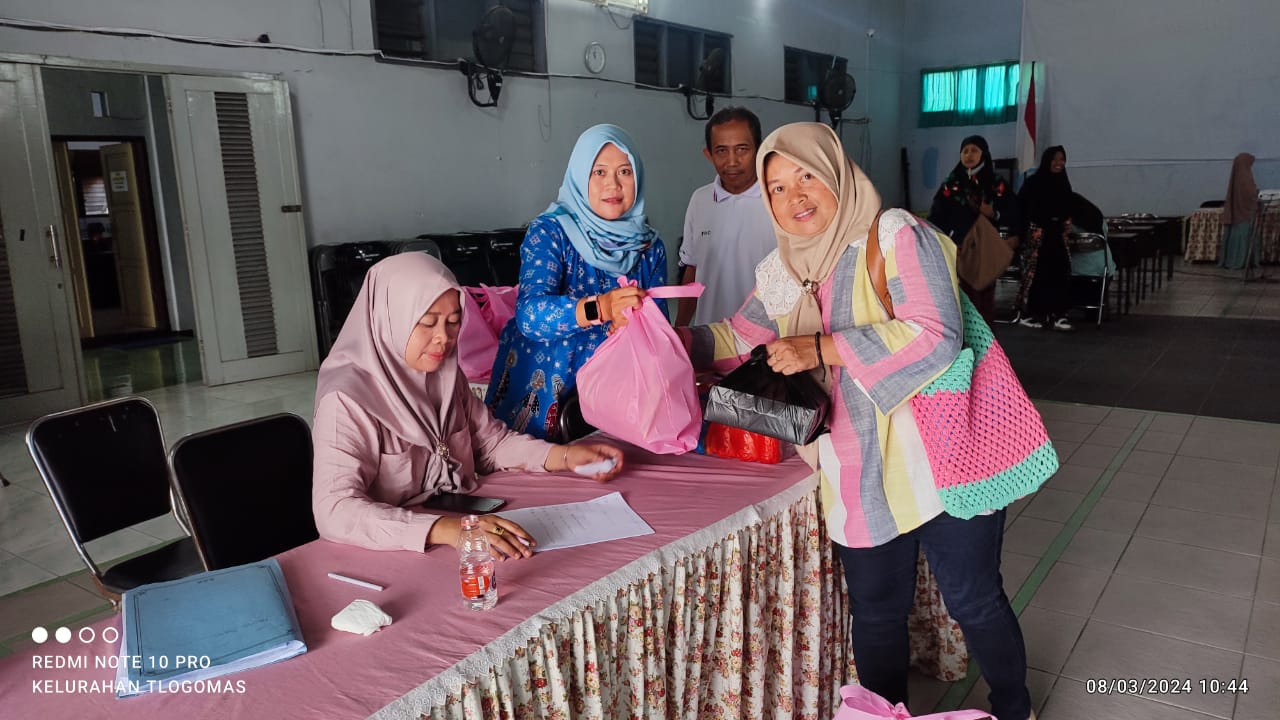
column 986, row 443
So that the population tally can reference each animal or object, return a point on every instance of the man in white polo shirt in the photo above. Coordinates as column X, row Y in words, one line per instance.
column 727, row 230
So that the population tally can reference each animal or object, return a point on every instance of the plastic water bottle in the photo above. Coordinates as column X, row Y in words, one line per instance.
column 476, row 566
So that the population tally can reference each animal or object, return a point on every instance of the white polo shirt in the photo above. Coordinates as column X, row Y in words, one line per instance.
column 725, row 237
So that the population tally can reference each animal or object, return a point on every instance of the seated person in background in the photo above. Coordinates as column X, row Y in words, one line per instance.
column 570, row 261
column 972, row 190
column 726, row 229
column 396, row 421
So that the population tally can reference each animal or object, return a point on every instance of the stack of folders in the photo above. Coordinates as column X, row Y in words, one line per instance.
column 181, row 632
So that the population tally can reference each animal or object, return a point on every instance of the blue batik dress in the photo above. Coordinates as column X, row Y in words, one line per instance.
column 542, row 348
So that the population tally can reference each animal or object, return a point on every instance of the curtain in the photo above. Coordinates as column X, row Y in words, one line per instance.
column 976, row 95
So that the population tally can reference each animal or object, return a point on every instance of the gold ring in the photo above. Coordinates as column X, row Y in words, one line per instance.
column 497, row 530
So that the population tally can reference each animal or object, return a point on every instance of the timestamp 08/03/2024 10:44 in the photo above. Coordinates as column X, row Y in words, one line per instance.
column 1166, row 686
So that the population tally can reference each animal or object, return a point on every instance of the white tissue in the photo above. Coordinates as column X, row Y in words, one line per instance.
column 360, row 617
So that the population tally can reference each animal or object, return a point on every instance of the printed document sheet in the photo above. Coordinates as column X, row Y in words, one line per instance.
column 581, row 523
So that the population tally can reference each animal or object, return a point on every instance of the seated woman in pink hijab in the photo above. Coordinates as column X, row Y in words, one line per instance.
column 396, row 421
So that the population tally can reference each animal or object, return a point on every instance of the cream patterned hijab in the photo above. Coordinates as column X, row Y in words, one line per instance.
column 810, row 260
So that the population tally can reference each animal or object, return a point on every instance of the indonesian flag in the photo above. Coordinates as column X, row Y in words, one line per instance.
column 1028, row 158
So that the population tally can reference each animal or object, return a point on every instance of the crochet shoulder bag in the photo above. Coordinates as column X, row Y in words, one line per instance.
column 986, row 442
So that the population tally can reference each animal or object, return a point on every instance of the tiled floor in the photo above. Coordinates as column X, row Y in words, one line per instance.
column 1161, row 563
column 42, row 579
column 139, row 366
column 1205, row 290
column 1222, row 366
column 1153, row 553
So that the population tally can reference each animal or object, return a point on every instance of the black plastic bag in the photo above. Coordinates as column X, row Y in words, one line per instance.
column 754, row 397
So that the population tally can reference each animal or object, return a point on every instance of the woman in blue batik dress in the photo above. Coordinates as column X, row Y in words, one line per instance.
column 569, row 298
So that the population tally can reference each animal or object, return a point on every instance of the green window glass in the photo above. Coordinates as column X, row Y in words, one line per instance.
column 973, row 95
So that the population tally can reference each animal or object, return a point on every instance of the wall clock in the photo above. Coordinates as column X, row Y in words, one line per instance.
column 593, row 57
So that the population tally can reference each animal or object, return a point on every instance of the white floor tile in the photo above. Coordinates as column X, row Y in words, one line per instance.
column 1072, row 589
column 1175, row 611
column 1201, row 568
column 1107, row 651
column 1216, row 532
column 16, row 573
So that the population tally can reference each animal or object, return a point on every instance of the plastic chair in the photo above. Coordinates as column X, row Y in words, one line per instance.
column 247, row 488
column 104, row 465
column 1091, row 278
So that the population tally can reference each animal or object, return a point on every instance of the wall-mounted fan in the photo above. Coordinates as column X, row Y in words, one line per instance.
column 491, row 41
column 835, row 95
column 710, row 75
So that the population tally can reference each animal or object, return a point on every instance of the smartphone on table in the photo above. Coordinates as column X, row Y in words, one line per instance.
column 464, row 504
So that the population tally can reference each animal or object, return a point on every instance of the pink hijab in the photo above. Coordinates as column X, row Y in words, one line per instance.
column 1242, row 192
column 367, row 365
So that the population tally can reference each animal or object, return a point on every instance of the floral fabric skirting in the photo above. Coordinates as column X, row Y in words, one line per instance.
column 752, row 624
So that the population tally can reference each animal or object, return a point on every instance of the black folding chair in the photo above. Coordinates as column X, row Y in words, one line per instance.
column 104, row 465
column 247, row 488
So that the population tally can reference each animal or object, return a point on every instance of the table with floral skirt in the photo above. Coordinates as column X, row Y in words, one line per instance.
column 756, row 625
column 1202, row 233
column 734, row 607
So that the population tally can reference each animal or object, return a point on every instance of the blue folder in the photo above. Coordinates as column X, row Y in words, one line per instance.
column 205, row 626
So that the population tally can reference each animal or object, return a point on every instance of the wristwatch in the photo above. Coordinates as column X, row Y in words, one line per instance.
column 591, row 308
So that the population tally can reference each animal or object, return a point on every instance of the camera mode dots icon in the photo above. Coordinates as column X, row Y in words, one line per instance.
column 39, row 635
column 62, row 635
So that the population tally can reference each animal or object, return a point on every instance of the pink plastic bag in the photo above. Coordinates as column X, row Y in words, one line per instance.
column 859, row 703
column 485, row 311
column 639, row 385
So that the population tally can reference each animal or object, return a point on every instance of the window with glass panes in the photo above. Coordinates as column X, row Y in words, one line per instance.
column 441, row 30
column 670, row 55
column 970, row 95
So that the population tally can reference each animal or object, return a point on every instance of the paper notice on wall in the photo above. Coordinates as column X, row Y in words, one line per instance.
column 119, row 181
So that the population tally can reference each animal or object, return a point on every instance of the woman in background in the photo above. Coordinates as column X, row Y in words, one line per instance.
column 1238, row 212
column 1047, row 200
column 569, row 296
column 973, row 190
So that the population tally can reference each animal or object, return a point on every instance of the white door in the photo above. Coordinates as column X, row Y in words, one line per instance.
column 39, row 343
column 241, row 205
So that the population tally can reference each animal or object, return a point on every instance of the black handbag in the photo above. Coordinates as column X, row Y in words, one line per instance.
column 754, row 397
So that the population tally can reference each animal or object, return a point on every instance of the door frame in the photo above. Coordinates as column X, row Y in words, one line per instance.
column 150, row 225
column 39, row 62
column 45, row 217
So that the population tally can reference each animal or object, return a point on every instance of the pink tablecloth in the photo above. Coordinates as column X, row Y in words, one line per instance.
column 435, row 649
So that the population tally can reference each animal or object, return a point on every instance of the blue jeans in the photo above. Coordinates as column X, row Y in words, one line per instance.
column 965, row 557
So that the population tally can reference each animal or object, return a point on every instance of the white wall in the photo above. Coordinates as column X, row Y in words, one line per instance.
column 1152, row 99
column 390, row 150
column 944, row 35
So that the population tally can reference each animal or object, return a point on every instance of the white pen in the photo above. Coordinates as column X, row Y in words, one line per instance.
column 354, row 581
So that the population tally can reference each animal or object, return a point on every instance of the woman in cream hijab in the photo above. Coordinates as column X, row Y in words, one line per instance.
column 815, row 309
column 397, row 423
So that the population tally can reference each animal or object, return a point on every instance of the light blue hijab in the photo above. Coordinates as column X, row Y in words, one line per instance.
column 610, row 245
